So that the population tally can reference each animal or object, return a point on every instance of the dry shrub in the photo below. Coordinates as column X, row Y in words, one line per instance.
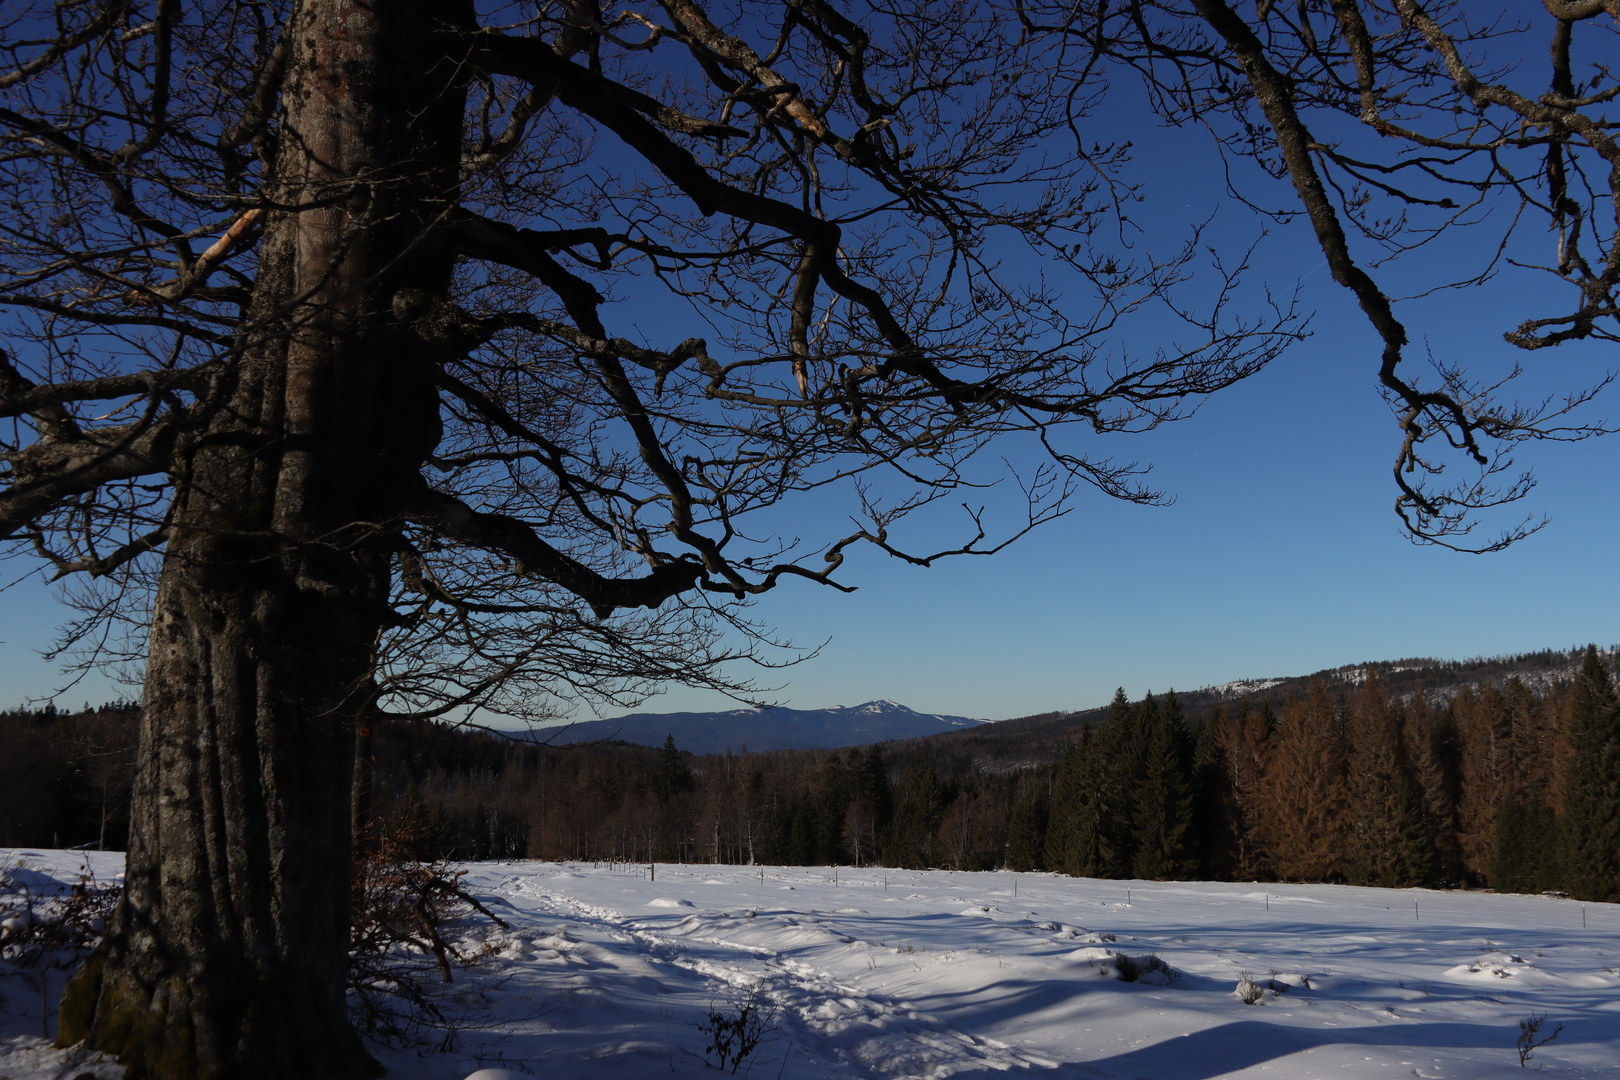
column 400, row 954
column 737, row 1030
column 47, row 927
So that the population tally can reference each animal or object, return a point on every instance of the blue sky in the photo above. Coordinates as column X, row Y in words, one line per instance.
column 1280, row 556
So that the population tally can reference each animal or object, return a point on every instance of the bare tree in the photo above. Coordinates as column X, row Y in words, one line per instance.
column 1401, row 125
column 336, row 357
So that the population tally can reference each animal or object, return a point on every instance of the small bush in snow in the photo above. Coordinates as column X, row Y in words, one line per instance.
column 1531, row 1039
column 401, row 909
column 1252, row 991
column 47, row 927
column 736, row 1032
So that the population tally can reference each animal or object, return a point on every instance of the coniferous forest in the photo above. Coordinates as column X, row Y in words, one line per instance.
column 1502, row 785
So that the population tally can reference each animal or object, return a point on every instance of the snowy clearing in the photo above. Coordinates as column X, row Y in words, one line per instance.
column 936, row 974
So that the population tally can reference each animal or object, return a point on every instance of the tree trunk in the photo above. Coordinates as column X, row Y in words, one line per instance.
column 228, row 954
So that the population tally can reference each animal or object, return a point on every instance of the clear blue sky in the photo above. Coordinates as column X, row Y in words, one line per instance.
column 1280, row 556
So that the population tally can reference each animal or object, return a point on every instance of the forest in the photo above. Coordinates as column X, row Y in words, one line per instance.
column 1503, row 786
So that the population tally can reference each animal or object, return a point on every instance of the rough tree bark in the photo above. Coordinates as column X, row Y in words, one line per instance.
column 225, row 958
column 261, row 439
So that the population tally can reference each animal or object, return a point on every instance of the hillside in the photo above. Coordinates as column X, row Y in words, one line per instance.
column 1040, row 739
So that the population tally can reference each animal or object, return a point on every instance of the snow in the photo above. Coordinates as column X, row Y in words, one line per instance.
column 968, row 976
column 40, row 875
column 1241, row 687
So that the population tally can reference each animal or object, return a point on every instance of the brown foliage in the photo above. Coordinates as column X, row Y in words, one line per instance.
column 399, row 945
column 1305, row 792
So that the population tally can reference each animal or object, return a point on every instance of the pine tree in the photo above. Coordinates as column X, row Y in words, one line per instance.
column 1591, row 818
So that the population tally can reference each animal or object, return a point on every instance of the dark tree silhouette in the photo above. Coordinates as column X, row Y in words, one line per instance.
column 337, row 357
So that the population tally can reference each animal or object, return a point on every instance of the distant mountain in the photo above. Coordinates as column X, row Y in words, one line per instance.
column 765, row 729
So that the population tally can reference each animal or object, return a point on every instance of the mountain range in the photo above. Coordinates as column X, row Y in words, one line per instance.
column 764, row 729
column 1026, row 740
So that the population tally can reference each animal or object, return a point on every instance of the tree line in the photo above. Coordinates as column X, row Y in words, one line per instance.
column 65, row 776
column 1502, row 786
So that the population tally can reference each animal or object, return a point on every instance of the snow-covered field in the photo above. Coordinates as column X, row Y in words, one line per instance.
column 902, row 973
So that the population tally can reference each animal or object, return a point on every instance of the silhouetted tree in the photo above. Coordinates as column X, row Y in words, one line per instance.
column 309, row 366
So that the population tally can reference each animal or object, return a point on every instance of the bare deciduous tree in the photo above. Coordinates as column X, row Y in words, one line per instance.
column 1401, row 125
column 337, row 354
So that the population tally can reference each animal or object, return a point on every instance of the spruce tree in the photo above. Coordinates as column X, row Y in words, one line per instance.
column 1162, row 814
column 1591, row 820
column 1432, row 751
column 1218, row 818
column 1062, row 841
column 408, row 829
column 1080, row 830
column 1416, row 862
column 672, row 777
column 1098, row 810
column 1508, row 856
column 1027, row 830
column 1125, row 748
column 874, row 786
column 1253, row 747
column 439, row 837
column 1484, row 778
column 911, row 839
column 1527, row 856
column 1305, row 819
column 801, row 843
column 837, row 792
column 1393, row 844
